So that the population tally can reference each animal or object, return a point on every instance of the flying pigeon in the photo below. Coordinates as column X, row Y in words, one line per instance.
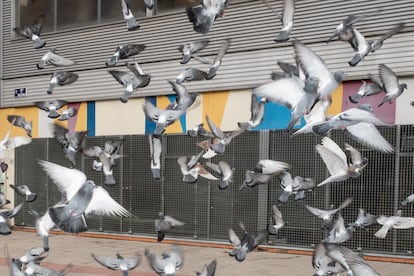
column 5, row 215
column 247, row 244
column 24, row 191
column 396, row 222
column 286, row 20
column 82, row 197
column 32, row 32
column 215, row 64
column 190, row 74
column 367, row 89
column 256, row 113
column 208, row 270
column 344, row 31
column 190, row 48
column 119, row 263
column 69, row 140
column 3, row 200
column 392, row 87
column 35, row 254
column 323, row 264
column 105, row 160
column 51, row 57
column 364, row 219
column 61, row 78
column 21, row 122
column 339, row 233
column 125, row 51
column 277, row 219
column 155, row 150
column 168, row 264
column 377, row 44
column 263, row 171
column 225, row 171
column 132, row 23
column 203, row 15
column 192, row 168
column 296, row 186
column 68, row 113
column 184, row 99
column 51, row 106
column 327, row 215
column 149, row 4
column 316, row 116
column 336, row 161
column 165, row 223
column 8, row 143
column 408, row 199
column 199, row 130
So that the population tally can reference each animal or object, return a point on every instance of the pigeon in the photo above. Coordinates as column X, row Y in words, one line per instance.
column 287, row 20
column 191, row 169
column 161, row 118
column 359, row 123
column 278, row 221
column 5, row 215
column 393, row 89
column 51, row 57
column 43, row 225
column 327, row 215
column 188, row 49
column 225, row 171
column 32, row 32
column 199, row 130
column 323, row 264
column 119, row 263
column 263, row 171
column 35, row 269
column 132, row 23
column 183, row 100
column 203, row 16
column 82, row 197
column 68, row 113
column 69, row 140
column 408, row 199
column 396, row 222
column 61, row 78
column 377, row 44
column 336, row 161
column 364, row 219
column 21, row 122
column 8, row 143
column 314, row 67
column 169, row 264
column 257, row 109
column 296, row 186
column 131, row 81
column 289, row 71
column 216, row 63
column 208, row 270
column 24, row 191
column 339, row 233
column 344, row 31
column 165, row 223
column 105, row 160
column 366, row 89
column 51, row 106
column 149, row 4
column 190, row 74
column 247, row 244
column 316, row 116
column 155, row 150
column 3, row 200
column 293, row 93
column 125, row 51
column 35, row 254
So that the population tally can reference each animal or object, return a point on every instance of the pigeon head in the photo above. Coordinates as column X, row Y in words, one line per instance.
column 338, row 76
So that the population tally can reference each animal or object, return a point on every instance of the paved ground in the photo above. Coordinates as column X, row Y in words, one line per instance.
column 77, row 249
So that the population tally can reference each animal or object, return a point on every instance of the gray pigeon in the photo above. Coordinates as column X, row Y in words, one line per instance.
column 5, row 215
column 264, row 170
column 396, row 222
column 287, row 20
column 364, row 219
column 344, row 31
column 69, row 140
column 82, row 197
column 327, row 215
column 132, row 23
column 192, row 169
column 35, row 254
column 32, row 32
column 165, row 223
column 367, row 89
column 35, row 269
column 21, row 122
column 408, row 199
column 3, row 200
column 68, row 113
column 183, row 99
column 296, row 186
column 316, row 116
column 393, row 89
column 277, row 219
column 323, row 264
column 257, row 109
column 51, row 106
column 339, row 233
column 203, row 15
column 225, row 171
column 188, row 49
column 247, row 244
column 119, row 263
column 24, row 191
column 105, row 160
column 61, row 78
column 199, row 130
column 208, row 270
column 155, row 150
column 125, row 51
column 51, row 57
column 168, row 264
column 190, row 74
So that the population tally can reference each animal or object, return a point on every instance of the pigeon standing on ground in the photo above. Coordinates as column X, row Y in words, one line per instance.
column 51, row 107
column 188, row 49
column 132, row 23
column 51, row 57
column 68, row 113
column 119, row 263
column 396, row 222
column 208, row 270
column 164, row 224
column 5, row 215
column 392, row 87
column 364, row 219
column 263, row 171
column 21, row 122
column 367, row 89
column 32, row 32
column 257, row 109
column 277, row 219
column 226, row 172
column 125, row 51
column 296, row 186
column 61, row 78
column 203, row 15
column 327, row 215
column 69, row 140
column 169, row 264
column 155, row 151
column 192, row 169
column 247, row 244
column 287, row 20
column 24, row 191
column 82, row 197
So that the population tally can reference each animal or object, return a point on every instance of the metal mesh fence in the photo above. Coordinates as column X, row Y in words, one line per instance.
column 209, row 212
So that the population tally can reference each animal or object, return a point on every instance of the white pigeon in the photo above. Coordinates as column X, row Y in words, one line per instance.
column 32, row 32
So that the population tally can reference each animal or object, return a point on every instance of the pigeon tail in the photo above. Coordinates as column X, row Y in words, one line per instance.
column 40, row 65
column 188, row 178
column 156, row 174
column 4, row 229
column 284, row 197
column 355, row 60
column 201, row 23
column 300, row 195
column 109, row 179
column 31, row 197
column 382, row 232
column 53, row 114
column 282, row 37
column 186, row 59
column 61, row 216
column 321, row 129
column 241, row 253
column 405, row 202
column 355, row 98
column 132, row 24
column 160, row 236
column 192, row 133
column 38, row 43
column 124, row 99
column 223, row 185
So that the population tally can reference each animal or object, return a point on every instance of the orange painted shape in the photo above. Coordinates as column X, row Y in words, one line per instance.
column 336, row 106
column 29, row 113
column 214, row 104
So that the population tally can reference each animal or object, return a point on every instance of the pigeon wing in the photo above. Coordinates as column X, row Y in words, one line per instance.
column 103, row 204
column 172, row 221
column 333, row 157
column 120, row 76
column 388, row 78
column 404, row 223
column 277, row 216
column 108, row 262
column 303, row 183
column 315, row 211
column 368, row 135
column 234, row 239
column 215, row 130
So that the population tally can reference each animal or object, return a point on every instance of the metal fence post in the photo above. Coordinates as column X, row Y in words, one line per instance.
column 263, row 190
